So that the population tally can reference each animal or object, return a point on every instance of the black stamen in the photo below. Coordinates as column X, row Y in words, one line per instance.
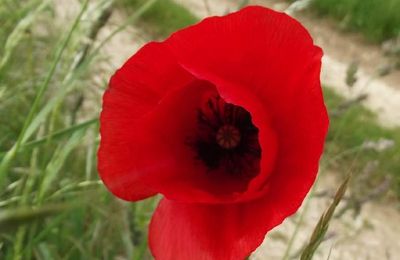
column 215, row 109
column 204, row 121
column 227, row 139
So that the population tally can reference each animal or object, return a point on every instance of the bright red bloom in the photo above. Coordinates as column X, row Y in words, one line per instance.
column 225, row 119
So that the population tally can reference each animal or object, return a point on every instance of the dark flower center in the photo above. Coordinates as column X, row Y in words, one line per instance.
column 227, row 139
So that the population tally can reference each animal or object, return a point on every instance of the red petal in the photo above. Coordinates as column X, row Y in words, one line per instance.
column 207, row 232
column 133, row 92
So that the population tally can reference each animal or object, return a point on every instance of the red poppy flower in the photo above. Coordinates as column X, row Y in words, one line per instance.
column 226, row 120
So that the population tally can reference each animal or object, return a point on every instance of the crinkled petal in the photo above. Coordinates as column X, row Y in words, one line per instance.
column 134, row 91
column 181, row 231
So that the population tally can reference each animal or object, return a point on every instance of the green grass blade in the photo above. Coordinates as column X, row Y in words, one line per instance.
column 323, row 223
column 13, row 218
column 57, row 135
column 54, row 166
column 8, row 158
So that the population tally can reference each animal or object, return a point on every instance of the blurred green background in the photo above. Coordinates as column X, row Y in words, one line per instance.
column 54, row 66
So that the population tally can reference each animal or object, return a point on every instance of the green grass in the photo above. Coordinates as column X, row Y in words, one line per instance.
column 348, row 133
column 52, row 204
column 164, row 17
column 378, row 20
